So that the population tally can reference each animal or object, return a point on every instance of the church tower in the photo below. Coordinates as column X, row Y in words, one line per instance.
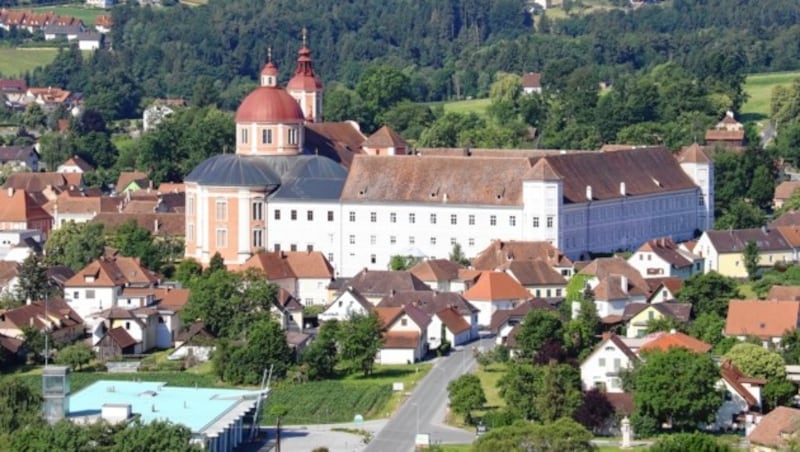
column 305, row 86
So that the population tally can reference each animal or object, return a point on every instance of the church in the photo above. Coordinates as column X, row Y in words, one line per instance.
column 296, row 183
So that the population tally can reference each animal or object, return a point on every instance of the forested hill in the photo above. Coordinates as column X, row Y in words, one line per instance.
column 444, row 46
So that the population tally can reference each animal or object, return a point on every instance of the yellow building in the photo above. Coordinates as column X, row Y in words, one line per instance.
column 724, row 250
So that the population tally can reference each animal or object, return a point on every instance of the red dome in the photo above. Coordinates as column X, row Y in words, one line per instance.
column 269, row 104
column 269, row 69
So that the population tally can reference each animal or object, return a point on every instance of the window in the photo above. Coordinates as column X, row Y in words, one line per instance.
column 266, row 136
column 221, row 212
column 127, row 325
column 403, row 322
column 493, row 220
column 512, row 220
column 160, row 319
column 601, row 362
column 330, row 215
column 433, row 218
column 392, row 240
column 293, row 136
column 90, row 294
column 222, row 238
column 549, row 221
column 352, row 217
column 258, row 210
column 244, row 136
column 277, row 214
column 650, row 315
column 472, row 220
column 258, row 238
column 373, row 259
column 330, row 257
column 453, row 219
column 558, row 292
column 373, row 217
column 617, row 363
column 352, row 239
column 190, row 232
column 411, row 240
column 373, row 240
column 453, row 241
column 310, row 215
column 293, row 215
column 433, row 240
column 277, row 247
column 309, row 248
column 412, row 218
column 392, row 217
column 293, row 247
column 190, row 205
column 535, row 222
column 471, row 242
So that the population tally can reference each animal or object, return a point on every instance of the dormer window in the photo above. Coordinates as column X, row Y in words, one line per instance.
column 88, row 278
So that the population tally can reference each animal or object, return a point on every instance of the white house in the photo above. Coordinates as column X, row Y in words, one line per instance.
column 438, row 306
column 347, row 304
column 195, row 341
column 538, row 277
column 20, row 157
column 742, row 395
column 405, row 335
column 448, row 325
column 105, row 4
column 504, row 321
column 304, row 274
column 662, row 258
column 9, row 278
column 75, row 164
column 492, row 292
column 602, row 368
column 615, row 284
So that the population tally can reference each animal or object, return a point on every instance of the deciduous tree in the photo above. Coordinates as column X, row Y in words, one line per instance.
column 561, row 435
column 594, row 411
column 682, row 442
column 76, row 355
column 360, row 339
column 33, row 282
column 750, row 255
column 709, row 293
column 538, row 327
column 321, row 357
column 466, row 395
column 755, row 361
column 75, row 245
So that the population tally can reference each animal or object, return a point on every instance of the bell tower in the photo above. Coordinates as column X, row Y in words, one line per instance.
column 305, row 86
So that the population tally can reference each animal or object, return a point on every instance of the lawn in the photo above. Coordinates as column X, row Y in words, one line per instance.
column 759, row 90
column 87, row 15
column 489, row 376
column 477, row 106
column 15, row 62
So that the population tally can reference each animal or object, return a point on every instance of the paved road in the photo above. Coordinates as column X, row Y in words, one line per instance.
column 424, row 410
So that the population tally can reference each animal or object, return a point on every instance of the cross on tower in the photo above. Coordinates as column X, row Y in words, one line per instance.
column 305, row 37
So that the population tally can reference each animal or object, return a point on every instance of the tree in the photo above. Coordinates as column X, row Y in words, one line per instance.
column 542, row 393
column 675, row 387
column 399, row 263
column 320, row 358
column 210, row 301
column 762, row 188
column 135, row 241
column 755, row 361
column 457, row 255
column 265, row 348
column 19, row 405
column 217, row 263
column 681, row 442
column 76, row 355
column 33, row 282
column 594, row 411
column 64, row 435
column 35, row 342
column 538, row 327
column 517, row 387
column 466, row 395
column 709, row 293
column 278, row 411
column 708, row 328
column 777, row 392
column 360, row 339
column 187, row 270
column 790, row 346
column 750, row 255
column 381, row 87
column 741, row 215
column 154, row 436
column 561, row 435
column 75, row 245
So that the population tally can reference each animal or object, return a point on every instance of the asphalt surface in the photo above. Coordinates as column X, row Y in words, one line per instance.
column 425, row 409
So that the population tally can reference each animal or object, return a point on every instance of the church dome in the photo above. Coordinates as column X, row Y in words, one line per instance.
column 269, row 104
column 231, row 170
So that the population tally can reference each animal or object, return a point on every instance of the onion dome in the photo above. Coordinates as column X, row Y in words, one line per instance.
column 231, row 170
column 269, row 104
column 270, row 69
column 304, row 77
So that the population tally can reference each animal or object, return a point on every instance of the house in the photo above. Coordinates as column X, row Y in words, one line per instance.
column 492, row 292
column 105, row 4
column 790, row 293
column 67, row 32
column 723, row 250
column 132, row 181
column 791, row 218
column 728, row 133
column 614, row 284
column 153, row 115
column 405, row 335
column 12, row 85
column 44, row 186
column 169, row 302
column 195, row 342
column 742, row 395
column 54, row 316
column 347, row 304
column 9, row 279
column 139, row 324
column 504, row 321
column 444, row 275
column 12, row 350
column 19, row 158
column 18, row 211
column 16, row 245
column 385, row 141
column 115, row 343
column 784, row 191
column 66, row 208
column 532, row 81
column 90, row 40
column 443, row 326
column 376, row 284
column 304, row 274
column 289, row 311
column 664, row 289
column 638, row 315
column 662, row 257
column 665, row 341
column 767, row 320
column 602, row 368
column 774, row 430
column 58, row 275
column 538, row 277
column 75, row 164
column 500, row 252
column 103, row 23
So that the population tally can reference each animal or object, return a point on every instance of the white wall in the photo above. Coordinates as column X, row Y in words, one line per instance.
column 396, row 356
column 342, row 308
column 80, row 301
column 313, row 291
column 607, row 359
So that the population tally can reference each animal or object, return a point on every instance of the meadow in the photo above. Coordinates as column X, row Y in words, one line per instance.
column 14, row 62
column 759, row 89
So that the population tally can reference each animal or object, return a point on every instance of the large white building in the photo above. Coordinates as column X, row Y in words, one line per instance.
column 285, row 190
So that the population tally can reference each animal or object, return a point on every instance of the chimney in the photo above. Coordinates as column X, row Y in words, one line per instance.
column 588, row 192
column 622, row 190
column 10, row 191
column 623, row 283
column 155, row 226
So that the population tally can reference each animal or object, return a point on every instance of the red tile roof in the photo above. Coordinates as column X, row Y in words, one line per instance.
column 500, row 252
column 786, row 293
column 113, row 272
column 534, row 273
column 385, row 137
column 693, row 153
column 785, row 189
column 607, row 266
column 670, row 340
column 531, row 80
column 734, row 377
column 436, row 270
column 19, row 207
column 126, row 177
column 401, row 339
column 776, row 427
column 121, row 337
column 453, row 320
column 291, row 264
column 764, row 319
column 492, row 286
column 503, row 316
column 667, row 250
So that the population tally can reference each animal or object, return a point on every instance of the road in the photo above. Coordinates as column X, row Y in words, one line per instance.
column 424, row 411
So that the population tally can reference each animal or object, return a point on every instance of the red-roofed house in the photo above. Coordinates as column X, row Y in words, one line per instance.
column 662, row 257
column 727, row 133
column 767, row 320
column 347, row 304
column 405, row 335
column 385, row 142
column 304, row 274
column 775, row 429
column 492, row 292
column 531, row 83
column 75, row 164
column 55, row 316
column 19, row 211
column 444, row 275
column 664, row 342
column 742, row 394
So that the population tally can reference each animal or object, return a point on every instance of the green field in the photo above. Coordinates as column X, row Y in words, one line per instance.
column 759, row 90
column 15, row 62
column 477, row 106
column 87, row 15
